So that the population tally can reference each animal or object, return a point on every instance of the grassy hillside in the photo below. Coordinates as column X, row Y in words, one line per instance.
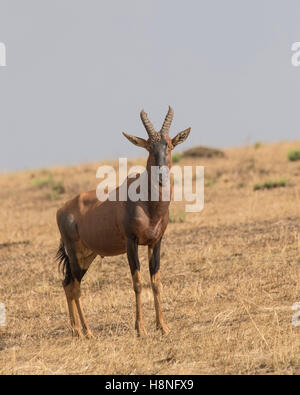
column 230, row 275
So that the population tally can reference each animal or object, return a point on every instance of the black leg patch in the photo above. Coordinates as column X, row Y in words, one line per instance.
column 154, row 262
column 132, row 255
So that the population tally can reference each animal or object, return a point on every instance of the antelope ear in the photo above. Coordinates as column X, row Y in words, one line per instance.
column 180, row 137
column 136, row 140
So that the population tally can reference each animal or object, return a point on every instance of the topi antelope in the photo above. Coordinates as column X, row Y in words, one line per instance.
column 90, row 227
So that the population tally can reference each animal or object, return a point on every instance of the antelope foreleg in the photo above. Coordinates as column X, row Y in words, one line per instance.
column 137, row 286
column 132, row 254
column 154, row 268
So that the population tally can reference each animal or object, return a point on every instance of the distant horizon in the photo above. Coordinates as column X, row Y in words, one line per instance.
column 144, row 157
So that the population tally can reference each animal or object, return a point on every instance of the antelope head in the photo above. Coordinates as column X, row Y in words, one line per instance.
column 159, row 144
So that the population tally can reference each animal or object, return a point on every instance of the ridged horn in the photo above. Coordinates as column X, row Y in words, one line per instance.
column 167, row 122
column 148, row 125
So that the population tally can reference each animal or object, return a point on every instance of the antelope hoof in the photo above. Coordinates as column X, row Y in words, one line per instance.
column 164, row 329
column 89, row 334
column 77, row 333
column 141, row 331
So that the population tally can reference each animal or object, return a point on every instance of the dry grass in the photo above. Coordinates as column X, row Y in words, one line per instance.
column 230, row 274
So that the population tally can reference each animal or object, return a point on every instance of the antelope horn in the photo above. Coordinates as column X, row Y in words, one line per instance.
column 167, row 122
column 148, row 125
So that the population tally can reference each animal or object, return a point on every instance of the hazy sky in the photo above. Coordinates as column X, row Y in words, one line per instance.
column 79, row 72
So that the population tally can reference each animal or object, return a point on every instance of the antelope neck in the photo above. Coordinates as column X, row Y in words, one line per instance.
column 160, row 207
